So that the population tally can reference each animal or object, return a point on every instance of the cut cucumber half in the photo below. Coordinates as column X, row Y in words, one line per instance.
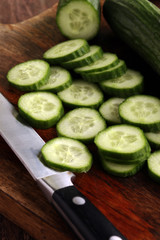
column 82, row 94
column 93, row 55
column 78, row 18
column 154, row 166
column 121, row 170
column 108, row 60
column 40, row 109
column 81, row 124
column 153, row 139
column 128, row 84
column 109, row 110
column 58, row 80
column 67, row 154
column 142, row 111
column 29, row 75
column 113, row 72
column 122, row 141
column 66, row 51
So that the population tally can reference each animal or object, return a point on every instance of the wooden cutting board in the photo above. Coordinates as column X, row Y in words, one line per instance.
column 131, row 204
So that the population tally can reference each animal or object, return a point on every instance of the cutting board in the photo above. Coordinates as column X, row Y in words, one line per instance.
column 131, row 204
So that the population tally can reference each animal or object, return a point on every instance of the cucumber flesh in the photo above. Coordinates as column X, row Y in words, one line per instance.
column 113, row 72
column 93, row 55
column 59, row 79
column 122, row 141
column 40, row 109
column 154, row 166
column 153, row 139
column 82, row 94
column 128, row 84
column 66, row 51
column 67, row 154
column 81, row 124
column 109, row 110
column 142, row 111
column 29, row 75
column 78, row 19
column 108, row 60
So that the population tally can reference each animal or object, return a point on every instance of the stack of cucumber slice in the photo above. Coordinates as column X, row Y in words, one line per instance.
column 104, row 93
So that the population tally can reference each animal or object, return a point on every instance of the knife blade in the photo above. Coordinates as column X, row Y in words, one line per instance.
column 84, row 218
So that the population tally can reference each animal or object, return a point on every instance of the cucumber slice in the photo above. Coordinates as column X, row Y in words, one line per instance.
column 82, row 94
column 93, row 55
column 66, row 51
column 109, row 110
column 78, row 18
column 121, row 170
column 153, row 139
column 58, row 80
column 142, row 111
column 29, row 75
column 108, row 60
column 128, row 84
column 122, row 141
column 81, row 124
column 40, row 109
column 154, row 166
column 67, row 154
column 110, row 73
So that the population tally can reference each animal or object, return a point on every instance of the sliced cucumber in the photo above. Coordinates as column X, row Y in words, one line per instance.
column 93, row 55
column 121, row 170
column 78, row 18
column 29, row 75
column 107, row 61
column 113, row 72
column 142, row 111
column 58, row 80
column 154, row 166
column 81, row 124
column 82, row 94
column 66, row 51
column 128, row 84
column 40, row 109
column 123, row 142
column 109, row 110
column 153, row 139
column 67, row 154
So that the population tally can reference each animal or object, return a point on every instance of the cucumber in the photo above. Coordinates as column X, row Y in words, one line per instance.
column 78, row 18
column 109, row 110
column 108, row 60
column 121, row 170
column 136, row 22
column 113, row 72
column 123, row 142
column 59, row 79
column 142, row 111
column 153, row 139
column 66, row 51
column 66, row 154
column 81, row 124
column 29, row 75
column 130, row 83
column 82, row 94
column 154, row 166
column 93, row 55
column 40, row 109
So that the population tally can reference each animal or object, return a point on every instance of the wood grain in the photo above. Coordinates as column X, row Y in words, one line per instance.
column 132, row 204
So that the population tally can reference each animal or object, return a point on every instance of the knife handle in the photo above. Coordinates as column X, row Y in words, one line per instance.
column 87, row 221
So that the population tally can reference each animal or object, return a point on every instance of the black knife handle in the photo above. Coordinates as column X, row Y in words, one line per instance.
column 87, row 221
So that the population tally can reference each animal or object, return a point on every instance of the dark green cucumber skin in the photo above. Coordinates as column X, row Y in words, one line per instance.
column 95, row 4
column 136, row 22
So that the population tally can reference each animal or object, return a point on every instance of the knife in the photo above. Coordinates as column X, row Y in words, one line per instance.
column 84, row 218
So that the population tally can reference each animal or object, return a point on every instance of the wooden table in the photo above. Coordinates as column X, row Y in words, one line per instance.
column 132, row 204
